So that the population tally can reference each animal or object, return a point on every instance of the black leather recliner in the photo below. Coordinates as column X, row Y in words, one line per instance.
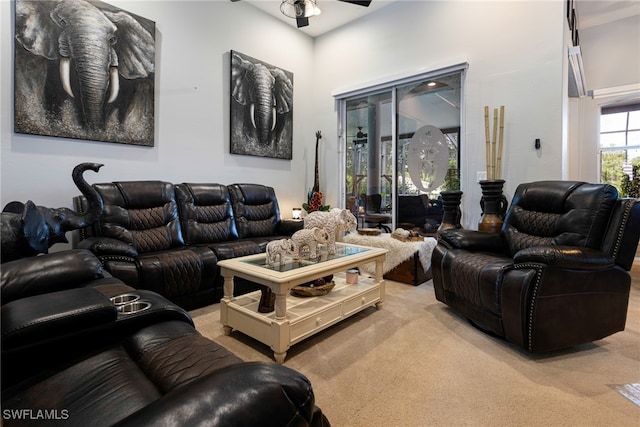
column 70, row 356
column 557, row 274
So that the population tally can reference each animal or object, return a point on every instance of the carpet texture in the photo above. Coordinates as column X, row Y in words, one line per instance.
column 414, row 362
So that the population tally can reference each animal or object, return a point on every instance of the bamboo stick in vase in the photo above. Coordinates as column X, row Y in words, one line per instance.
column 487, row 139
column 493, row 143
column 500, row 146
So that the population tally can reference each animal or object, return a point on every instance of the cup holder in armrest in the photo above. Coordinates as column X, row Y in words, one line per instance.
column 150, row 308
column 124, row 299
column 134, row 307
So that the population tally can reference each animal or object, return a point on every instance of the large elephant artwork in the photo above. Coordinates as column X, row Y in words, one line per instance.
column 84, row 69
column 261, row 108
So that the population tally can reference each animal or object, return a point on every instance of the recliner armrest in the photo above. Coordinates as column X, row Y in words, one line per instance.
column 472, row 240
column 48, row 273
column 565, row 257
column 107, row 246
column 54, row 316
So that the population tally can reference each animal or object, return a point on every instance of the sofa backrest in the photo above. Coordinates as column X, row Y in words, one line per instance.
column 206, row 214
column 143, row 214
column 559, row 213
column 255, row 209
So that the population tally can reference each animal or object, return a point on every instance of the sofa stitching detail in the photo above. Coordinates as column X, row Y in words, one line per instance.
column 534, row 298
column 623, row 223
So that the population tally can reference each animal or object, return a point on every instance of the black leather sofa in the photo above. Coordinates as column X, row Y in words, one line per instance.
column 70, row 356
column 555, row 276
column 168, row 238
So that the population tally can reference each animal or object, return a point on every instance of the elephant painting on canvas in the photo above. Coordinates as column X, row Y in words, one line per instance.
column 84, row 69
column 261, row 108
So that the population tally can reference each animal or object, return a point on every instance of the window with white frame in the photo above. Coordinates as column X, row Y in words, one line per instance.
column 620, row 148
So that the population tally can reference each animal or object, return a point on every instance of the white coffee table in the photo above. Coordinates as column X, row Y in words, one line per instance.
column 297, row 318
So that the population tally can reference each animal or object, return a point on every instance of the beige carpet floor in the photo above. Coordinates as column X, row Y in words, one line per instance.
column 414, row 362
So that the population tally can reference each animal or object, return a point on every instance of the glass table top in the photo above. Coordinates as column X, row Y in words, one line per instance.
column 290, row 264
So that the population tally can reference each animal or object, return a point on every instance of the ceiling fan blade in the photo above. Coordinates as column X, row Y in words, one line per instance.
column 302, row 22
column 364, row 3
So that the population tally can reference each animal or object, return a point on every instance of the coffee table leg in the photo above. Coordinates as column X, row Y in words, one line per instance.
column 281, row 304
column 228, row 285
column 228, row 297
column 279, row 357
column 380, row 279
column 279, row 340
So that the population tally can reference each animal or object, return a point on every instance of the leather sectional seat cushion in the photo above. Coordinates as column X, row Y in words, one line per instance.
column 168, row 238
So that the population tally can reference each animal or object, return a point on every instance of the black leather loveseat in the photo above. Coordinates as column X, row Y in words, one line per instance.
column 71, row 357
column 168, row 238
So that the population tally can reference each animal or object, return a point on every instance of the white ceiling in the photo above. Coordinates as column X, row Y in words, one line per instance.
column 591, row 12
column 336, row 13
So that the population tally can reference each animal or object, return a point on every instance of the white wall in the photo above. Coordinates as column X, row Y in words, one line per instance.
column 515, row 55
column 515, row 52
column 193, row 40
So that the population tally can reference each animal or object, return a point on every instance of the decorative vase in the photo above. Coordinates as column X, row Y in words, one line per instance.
column 451, row 210
column 493, row 204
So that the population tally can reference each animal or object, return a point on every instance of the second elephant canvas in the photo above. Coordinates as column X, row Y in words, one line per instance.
column 261, row 108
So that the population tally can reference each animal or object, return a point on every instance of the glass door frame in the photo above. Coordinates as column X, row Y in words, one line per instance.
column 342, row 97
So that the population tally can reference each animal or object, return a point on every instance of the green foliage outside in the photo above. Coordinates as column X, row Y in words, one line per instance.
column 452, row 180
column 631, row 187
column 613, row 174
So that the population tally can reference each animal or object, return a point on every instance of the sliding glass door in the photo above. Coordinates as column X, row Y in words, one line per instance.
column 402, row 148
column 428, row 150
column 369, row 159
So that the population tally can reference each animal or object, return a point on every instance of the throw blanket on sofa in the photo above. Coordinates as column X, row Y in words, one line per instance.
column 398, row 251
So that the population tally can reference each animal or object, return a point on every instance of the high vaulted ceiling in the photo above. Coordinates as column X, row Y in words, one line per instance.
column 336, row 13
column 591, row 13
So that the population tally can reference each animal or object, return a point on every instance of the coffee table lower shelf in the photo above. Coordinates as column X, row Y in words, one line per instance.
column 304, row 316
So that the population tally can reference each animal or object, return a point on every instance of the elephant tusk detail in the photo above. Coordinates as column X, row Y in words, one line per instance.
column 273, row 125
column 114, row 84
column 252, row 112
column 65, row 65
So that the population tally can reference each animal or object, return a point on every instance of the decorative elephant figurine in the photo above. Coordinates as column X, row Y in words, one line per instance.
column 265, row 97
column 278, row 249
column 309, row 237
column 76, row 66
column 28, row 230
column 335, row 221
